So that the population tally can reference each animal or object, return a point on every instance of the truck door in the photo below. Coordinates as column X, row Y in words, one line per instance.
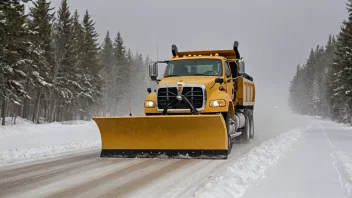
column 229, row 82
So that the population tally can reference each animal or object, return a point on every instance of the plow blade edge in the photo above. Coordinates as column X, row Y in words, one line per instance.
column 193, row 135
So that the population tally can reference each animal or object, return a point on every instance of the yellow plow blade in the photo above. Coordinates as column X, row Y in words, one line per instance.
column 193, row 135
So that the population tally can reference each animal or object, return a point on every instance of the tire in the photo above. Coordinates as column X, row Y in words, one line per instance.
column 246, row 131
column 227, row 118
column 252, row 127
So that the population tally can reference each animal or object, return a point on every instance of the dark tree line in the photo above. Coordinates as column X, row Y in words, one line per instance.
column 323, row 85
column 52, row 67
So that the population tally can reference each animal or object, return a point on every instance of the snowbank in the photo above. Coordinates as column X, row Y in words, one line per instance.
column 341, row 160
column 26, row 141
column 343, row 166
column 233, row 181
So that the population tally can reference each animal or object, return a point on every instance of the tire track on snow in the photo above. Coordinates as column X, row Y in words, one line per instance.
column 76, row 191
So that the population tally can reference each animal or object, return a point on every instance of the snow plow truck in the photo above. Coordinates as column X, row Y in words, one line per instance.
column 202, row 105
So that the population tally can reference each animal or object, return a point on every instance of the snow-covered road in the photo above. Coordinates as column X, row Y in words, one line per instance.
column 289, row 157
column 89, row 176
column 320, row 165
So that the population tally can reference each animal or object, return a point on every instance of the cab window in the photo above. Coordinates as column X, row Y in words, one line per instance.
column 194, row 67
column 227, row 70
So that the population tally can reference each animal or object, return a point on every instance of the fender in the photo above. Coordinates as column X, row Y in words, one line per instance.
column 151, row 97
column 220, row 95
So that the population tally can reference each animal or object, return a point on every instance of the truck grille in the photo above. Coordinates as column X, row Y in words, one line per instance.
column 193, row 94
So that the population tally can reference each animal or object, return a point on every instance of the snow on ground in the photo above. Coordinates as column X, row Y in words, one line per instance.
column 234, row 181
column 312, row 160
column 339, row 140
column 26, row 141
column 315, row 161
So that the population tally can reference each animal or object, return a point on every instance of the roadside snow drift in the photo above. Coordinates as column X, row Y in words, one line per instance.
column 234, row 180
column 26, row 141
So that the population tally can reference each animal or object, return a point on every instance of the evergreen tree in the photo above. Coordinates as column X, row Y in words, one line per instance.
column 77, row 64
column 108, row 60
column 122, row 73
column 16, row 54
column 308, row 75
column 119, row 50
column 341, row 98
column 318, row 88
column 327, row 78
column 90, row 63
column 107, row 54
column 293, row 98
column 53, row 68
column 78, row 50
column 63, row 71
column 309, row 88
column 41, row 25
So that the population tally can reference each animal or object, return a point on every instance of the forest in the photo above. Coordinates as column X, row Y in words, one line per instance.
column 54, row 69
column 323, row 85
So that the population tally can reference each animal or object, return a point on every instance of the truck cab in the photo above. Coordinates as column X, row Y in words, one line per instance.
column 209, row 82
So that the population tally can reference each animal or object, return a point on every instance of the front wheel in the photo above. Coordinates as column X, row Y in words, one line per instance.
column 228, row 119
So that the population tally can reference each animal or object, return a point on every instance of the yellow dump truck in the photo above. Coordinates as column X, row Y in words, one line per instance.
column 202, row 104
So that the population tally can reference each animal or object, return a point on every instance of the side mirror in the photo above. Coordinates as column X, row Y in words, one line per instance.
column 219, row 80
column 242, row 67
column 153, row 71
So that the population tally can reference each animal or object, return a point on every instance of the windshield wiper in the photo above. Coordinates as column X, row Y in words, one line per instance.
column 171, row 75
column 198, row 74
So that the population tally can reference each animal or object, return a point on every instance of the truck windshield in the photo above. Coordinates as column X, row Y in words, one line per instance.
column 194, row 67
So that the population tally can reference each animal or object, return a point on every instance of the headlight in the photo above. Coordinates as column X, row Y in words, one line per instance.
column 217, row 103
column 149, row 104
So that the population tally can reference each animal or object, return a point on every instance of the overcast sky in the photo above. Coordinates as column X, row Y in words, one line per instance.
column 274, row 35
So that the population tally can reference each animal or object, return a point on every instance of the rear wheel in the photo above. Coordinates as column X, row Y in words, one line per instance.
column 252, row 126
column 246, row 130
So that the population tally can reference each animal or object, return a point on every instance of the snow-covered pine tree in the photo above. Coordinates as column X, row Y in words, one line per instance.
column 16, row 54
column 122, row 74
column 57, row 62
column 77, row 84
column 331, row 71
column 319, row 68
column 308, row 79
column 314, row 83
column 301, row 90
column 63, row 74
column 325, row 84
column 294, row 96
column 91, row 67
column 108, row 61
column 341, row 69
column 40, row 24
